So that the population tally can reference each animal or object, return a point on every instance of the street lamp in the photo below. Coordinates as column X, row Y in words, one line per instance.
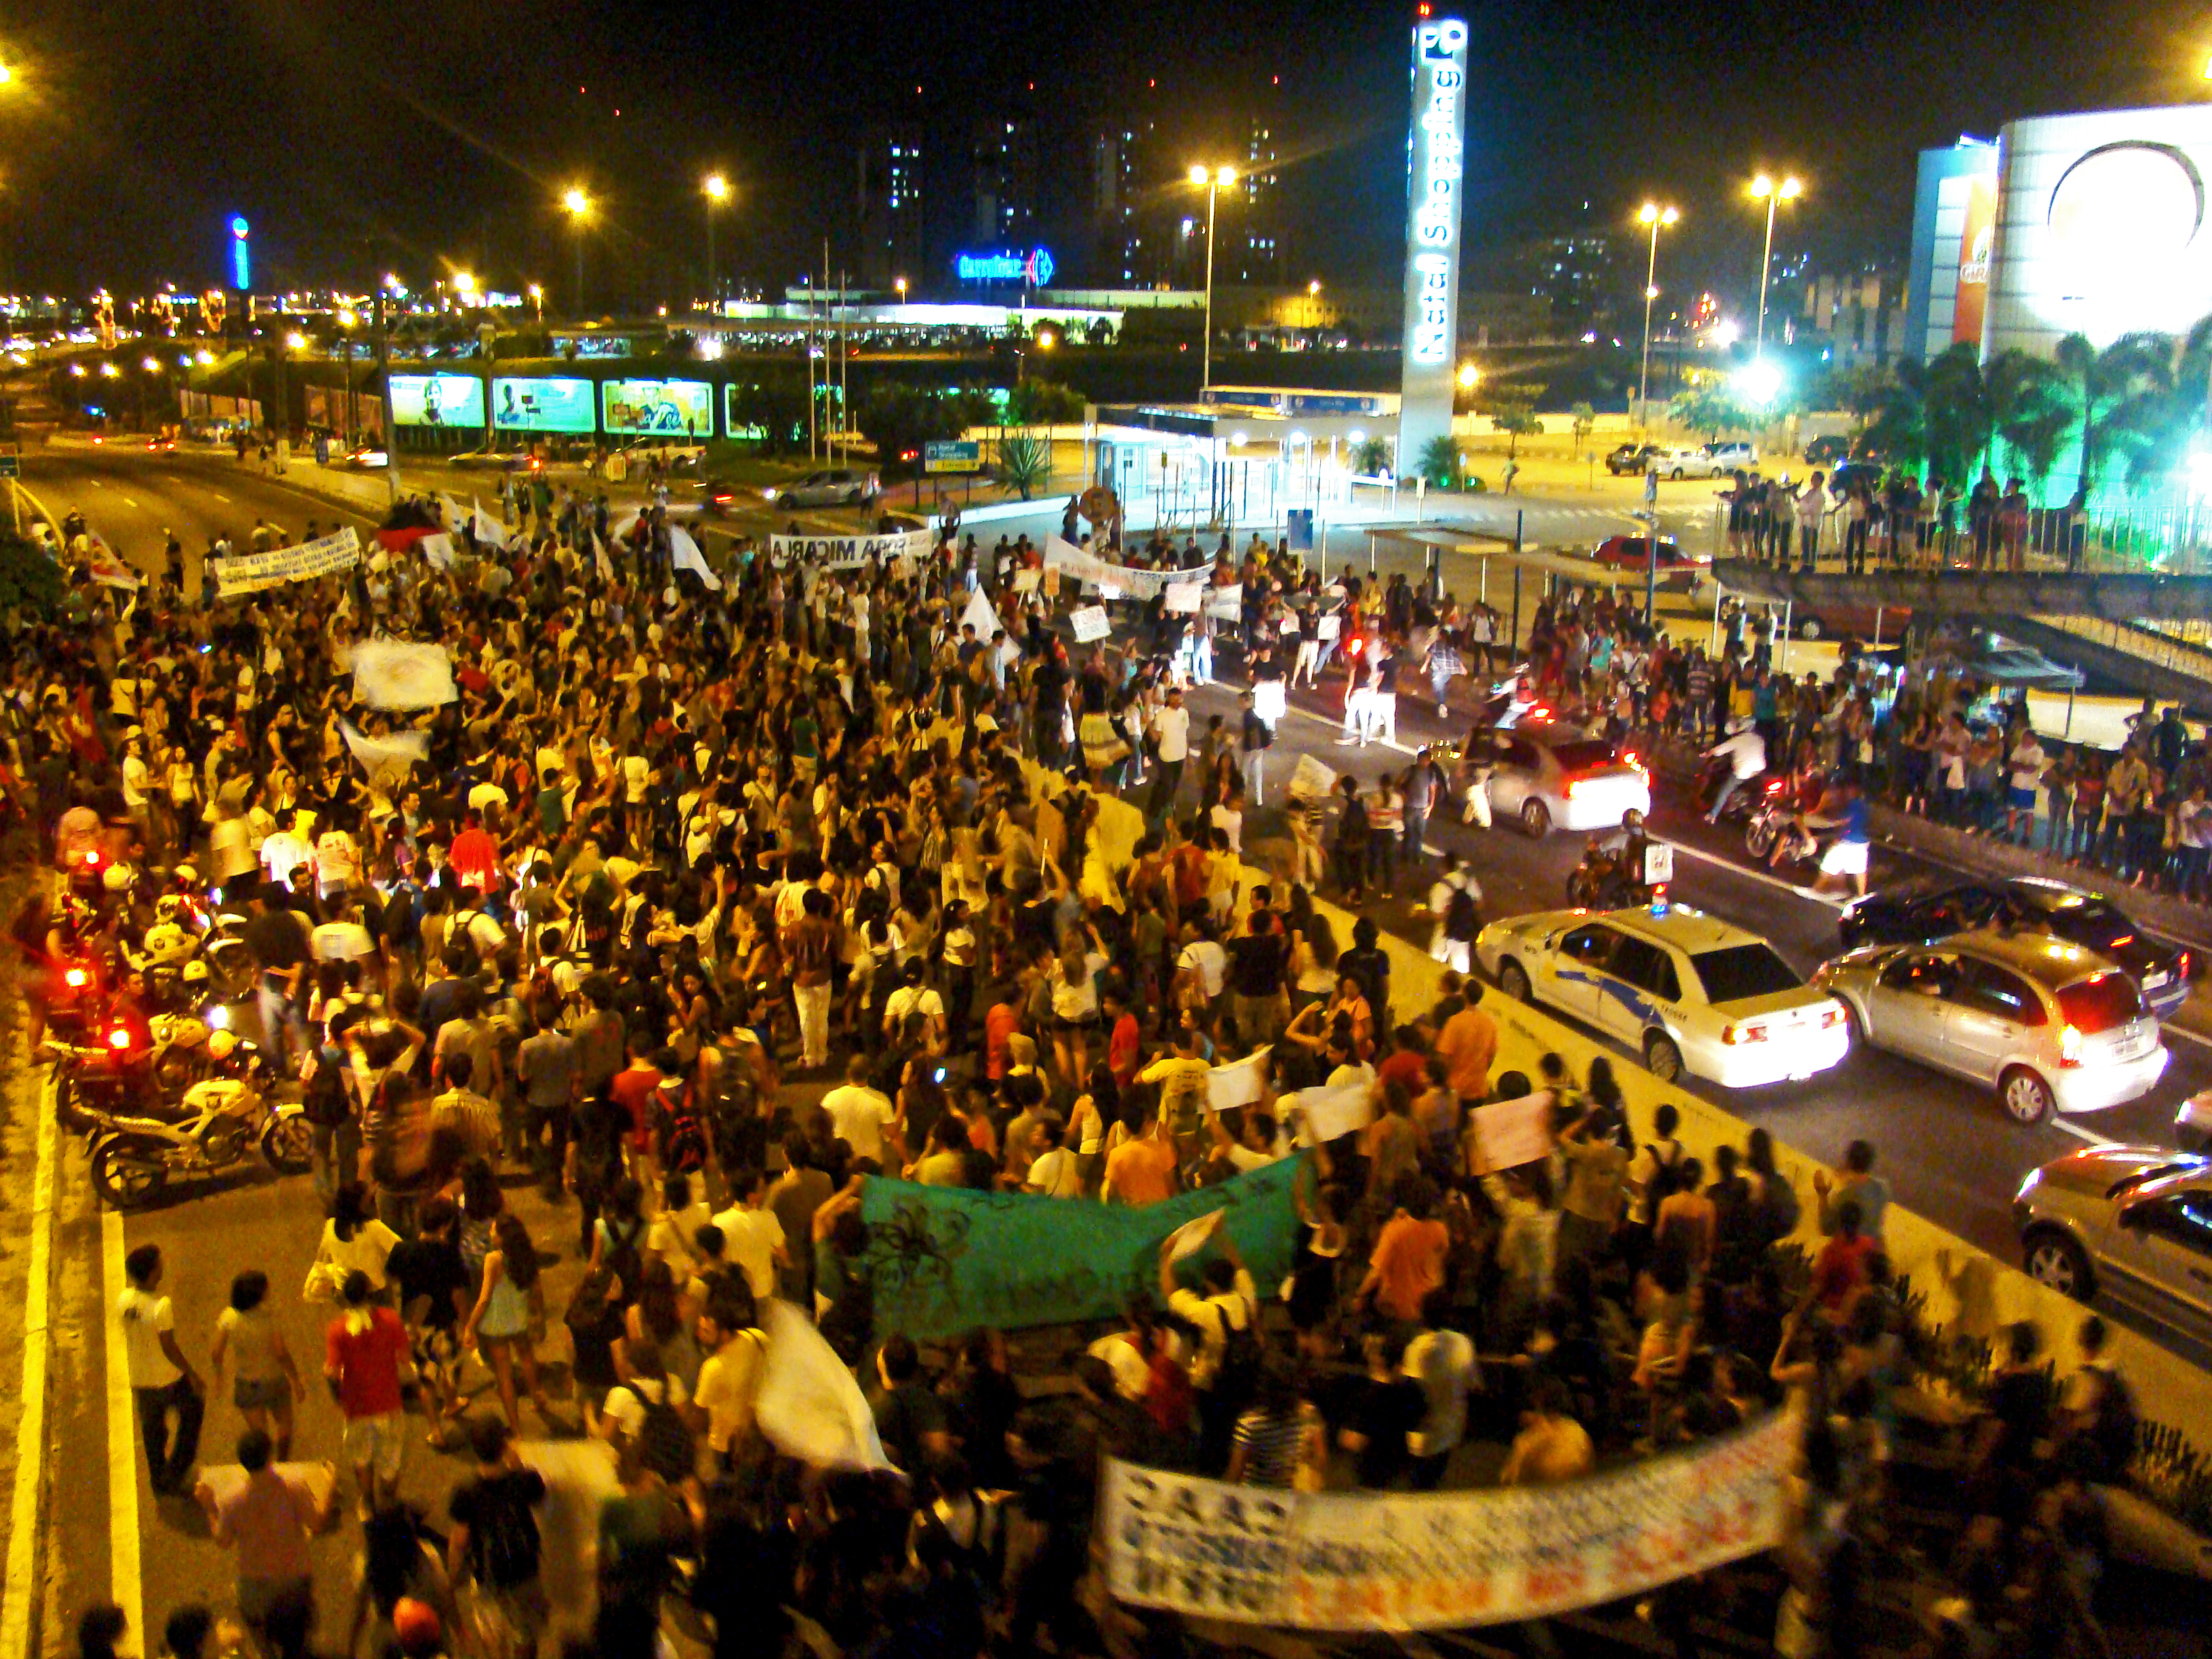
column 1653, row 215
column 1469, row 377
column 579, row 209
column 464, row 284
column 1214, row 180
column 717, row 190
column 537, row 299
column 1766, row 189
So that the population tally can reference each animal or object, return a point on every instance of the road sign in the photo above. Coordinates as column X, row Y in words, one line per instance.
column 952, row 455
column 11, row 466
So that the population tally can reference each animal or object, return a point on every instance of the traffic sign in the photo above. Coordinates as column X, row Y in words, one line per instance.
column 11, row 466
column 952, row 455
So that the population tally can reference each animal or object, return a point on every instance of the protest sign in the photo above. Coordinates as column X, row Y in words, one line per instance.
column 1269, row 702
column 1026, row 581
column 1236, row 1084
column 1115, row 579
column 1183, row 599
column 845, row 552
column 1360, row 1561
column 1327, row 627
column 943, row 1261
column 1510, row 1132
column 1225, row 603
column 397, row 674
column 1090, row 623
column 1311, row 778
column 249, row 573
column 1323, row 1115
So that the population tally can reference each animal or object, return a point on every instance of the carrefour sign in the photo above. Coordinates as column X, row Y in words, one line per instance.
column 1033, row 268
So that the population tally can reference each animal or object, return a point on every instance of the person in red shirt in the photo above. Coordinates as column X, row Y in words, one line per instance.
column 474, row 856
column 632, row 1089
column 1407, row 1262
column 1839, row 1271
column 999, row 1024
column 1125, row 1041
column 362, row 1354
column 1406, row 1066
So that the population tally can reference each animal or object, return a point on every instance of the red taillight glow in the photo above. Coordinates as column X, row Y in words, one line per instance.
column 2069, row 1046
column 118, row 1038
column 1831, row 1018
column 1734, row 1035
column 75, row 976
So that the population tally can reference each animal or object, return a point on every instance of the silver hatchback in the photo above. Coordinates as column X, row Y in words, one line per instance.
column 2135, row 1219
column 2049, row 1024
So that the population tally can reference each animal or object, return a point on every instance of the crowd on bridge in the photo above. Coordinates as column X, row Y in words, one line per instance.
column 713, row 898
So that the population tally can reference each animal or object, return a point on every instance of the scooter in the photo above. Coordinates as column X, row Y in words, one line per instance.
column 217, row 1125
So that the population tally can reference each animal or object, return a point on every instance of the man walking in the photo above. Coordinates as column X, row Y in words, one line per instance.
column 161, row 1379
column 364, row 1350
column 267, row 1519
column 1171, row 735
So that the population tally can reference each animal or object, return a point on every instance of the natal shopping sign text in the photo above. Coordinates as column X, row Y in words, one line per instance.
column 1441, row 52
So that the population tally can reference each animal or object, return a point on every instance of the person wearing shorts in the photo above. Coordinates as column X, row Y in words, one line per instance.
column 1845, row 860
column 265, row 1381
column 365, row 1348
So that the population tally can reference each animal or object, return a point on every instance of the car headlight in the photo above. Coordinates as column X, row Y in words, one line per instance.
column 2034, row 1180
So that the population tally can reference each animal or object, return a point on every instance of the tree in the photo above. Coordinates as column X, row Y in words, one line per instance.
column 1959, row 416
column 1043, row 402
column 1370, row 458
column 1024, row 463
column 897, row 417
column 2117, row 396
column 1099, row 331
column 1585, row 423
column 776, row 402
column 31, row 587
column 1442, row 464
column 1712, row 410
column 2028, row 409
column 1516, row 418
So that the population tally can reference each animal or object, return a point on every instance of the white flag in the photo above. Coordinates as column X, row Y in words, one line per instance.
column 439, row 550
column 606, row 564
column 397, row 674
column 489, row 530
column 979, row 612
column 687, row 556
column 456, row 514
column 390, row 756
column 808, row 1404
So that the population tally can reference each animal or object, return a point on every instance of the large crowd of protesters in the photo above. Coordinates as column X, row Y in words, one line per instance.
column 707, row 907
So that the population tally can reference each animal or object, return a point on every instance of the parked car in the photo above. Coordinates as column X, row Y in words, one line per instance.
column 1733, row 456
column 2050, row 1025
column 1631, row 458
column 1832, row 450
column 1548, row 776
column 1633, row 553
column 1691, row 992
column 829, row 486
column 2137, row 1217
column 2032, row 904
column 1696, row 463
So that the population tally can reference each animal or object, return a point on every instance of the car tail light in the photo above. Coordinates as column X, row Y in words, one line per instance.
column 1574, row 787
column 75, row 978
column 1734, row 1035
column 2069, row 1046
column 2181, row 965
column 1831, row 1018
column 118, row 1038
column 1774, row 787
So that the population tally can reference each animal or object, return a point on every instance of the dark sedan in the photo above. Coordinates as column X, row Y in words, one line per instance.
column 1628, row 458
column 2160, row 970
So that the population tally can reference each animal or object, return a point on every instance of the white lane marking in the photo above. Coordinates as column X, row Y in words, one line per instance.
column 220, row 496
column 23, row 1531
column 2081, row 1134
column 128, row 501
column 2198, row 1037
column 125, row 1588
column 95, row 483
column 1832, row 900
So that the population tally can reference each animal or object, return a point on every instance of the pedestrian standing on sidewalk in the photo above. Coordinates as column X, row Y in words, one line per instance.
column 161, row 1379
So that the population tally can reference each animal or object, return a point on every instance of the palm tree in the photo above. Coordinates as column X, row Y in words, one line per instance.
column 2116, row 395
column 2028, row 407
column 1442, row 464
column 1959, row 421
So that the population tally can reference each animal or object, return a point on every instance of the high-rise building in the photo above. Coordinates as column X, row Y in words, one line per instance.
column 1579, row 274
column 891, row 208
column 1005, row 180
column 1251, row 250
column 1134, row 208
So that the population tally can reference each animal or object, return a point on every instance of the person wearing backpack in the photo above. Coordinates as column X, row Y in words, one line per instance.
column 1225, row 1370
column 2097, row 1410
column 495, row 1543
column 1454, row 907
column 329, row 1106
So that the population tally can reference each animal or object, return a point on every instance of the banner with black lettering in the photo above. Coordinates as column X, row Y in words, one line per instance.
column 1120, row 580
column 1358, row 1561
column 849, row 552
column 249, row 573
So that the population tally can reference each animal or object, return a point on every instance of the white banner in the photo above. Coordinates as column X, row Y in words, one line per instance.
column 808, row 1406
column 249, row 573
column 1090, row 623
column 1351, row 1561
column 1183, row 599
column 1226, row 603
column 1236, row 1084
column 398, row 674
column 687, row 556
column 844, row 552
column 1121, row 579
column 1323, row 1115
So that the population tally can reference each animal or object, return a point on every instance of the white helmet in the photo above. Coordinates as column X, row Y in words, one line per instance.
column 117, row 880
column 195, row 973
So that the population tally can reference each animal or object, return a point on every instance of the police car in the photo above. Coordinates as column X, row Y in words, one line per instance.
column 1690, row 993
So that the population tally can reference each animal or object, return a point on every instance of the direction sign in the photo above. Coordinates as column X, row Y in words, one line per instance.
column 11, row 466
column 952, row 455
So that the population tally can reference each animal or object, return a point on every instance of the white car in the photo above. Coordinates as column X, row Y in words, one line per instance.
column 1728, row 457
column 1547, row 777
column 1697, row 463
column 1689, row 991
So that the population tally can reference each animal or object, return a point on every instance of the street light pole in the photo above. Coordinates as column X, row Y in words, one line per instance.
column 1213, row 179
column 579, row 206
column 1653, row 215
column 717, row 189
column 1774, row 195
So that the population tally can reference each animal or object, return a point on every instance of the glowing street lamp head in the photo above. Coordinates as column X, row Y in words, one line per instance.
column 1314, row 287
column 1469, row 375
column 6, row 74
column 717, row 187
column 1761, row 383
column 577, row 202
column 150, row 366
column 1648, row 214
column 295, row 341
column 1791, row 189
column 536, row 292
column 464, row 282
column 1223, row 176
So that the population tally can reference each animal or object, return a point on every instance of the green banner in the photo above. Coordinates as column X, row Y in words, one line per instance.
column 947, row 1259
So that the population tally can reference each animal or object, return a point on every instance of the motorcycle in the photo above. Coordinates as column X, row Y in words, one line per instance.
column 1715, row 773
column 96, row 1084
column 217, row 1125
column 1608, row 880
column 1775, row 821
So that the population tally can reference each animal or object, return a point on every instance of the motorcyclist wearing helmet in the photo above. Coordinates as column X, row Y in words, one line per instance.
column 1626, row 846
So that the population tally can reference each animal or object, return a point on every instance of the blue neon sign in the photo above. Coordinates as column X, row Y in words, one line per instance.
column 1033, row 268
column 241, row 268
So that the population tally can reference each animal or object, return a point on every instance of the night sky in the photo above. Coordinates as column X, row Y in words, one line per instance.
column 360, row 137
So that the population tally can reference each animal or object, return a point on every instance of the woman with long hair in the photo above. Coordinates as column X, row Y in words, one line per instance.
column 512, row 1301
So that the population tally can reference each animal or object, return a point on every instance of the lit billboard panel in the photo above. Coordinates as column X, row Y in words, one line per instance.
column 437, row 400
column 665, row 408
column 547, row 406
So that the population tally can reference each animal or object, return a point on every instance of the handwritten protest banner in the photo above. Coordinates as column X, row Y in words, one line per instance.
column 1510, row 1132
column 1090, row 623
column 945, row 1260
column 1183, row 599
column 249, row 573
column 1360, row 1561
column 1236, row 1084
column 399, row 674
column 843, row 552
column 1323, row 1115
column 1117, row 580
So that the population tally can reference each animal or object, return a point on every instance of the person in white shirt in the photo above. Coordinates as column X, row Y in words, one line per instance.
column 1747, row 753
column 1443, row 1362
column 1454, row 953
column 1205, row 961
column 752, row 1237
column 1170, row 727
column 161, row 1379
column 287, row 851
column 859, row 1114
column 912, row 997
column 1056, row 1172
column 337, row 862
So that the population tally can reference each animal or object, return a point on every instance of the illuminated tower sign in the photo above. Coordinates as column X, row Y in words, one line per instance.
column 241, row 268
column 1434, row 154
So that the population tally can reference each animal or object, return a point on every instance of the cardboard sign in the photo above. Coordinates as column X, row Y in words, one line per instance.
column 1311, row 777
column 1183, row 599
column 1658, row 864
column 1510, row 1132
column 1026, row 581
column 1327, row 627
column 1090, row 623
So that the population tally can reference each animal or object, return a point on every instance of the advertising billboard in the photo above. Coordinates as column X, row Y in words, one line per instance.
column 547, row 405
column 1433, row 234
column 437, row 400
column 666, row 409
column 2100, row 228
column 1975, row 236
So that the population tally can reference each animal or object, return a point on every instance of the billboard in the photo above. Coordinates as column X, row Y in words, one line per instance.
column 668, row 409
column 546, row 405
column 2100, row 228
column 1433, row 234
column 1975, row 234
column 437, row 400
